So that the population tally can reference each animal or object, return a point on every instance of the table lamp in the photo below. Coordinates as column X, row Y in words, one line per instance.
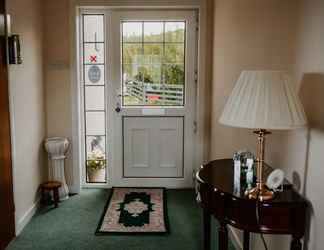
column 263, row 100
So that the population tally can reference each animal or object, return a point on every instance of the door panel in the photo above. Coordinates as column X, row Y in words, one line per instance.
column 152, row 97
column 153, row 147
column 7, row 223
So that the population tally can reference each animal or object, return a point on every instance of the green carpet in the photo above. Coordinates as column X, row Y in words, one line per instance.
column 73, row 224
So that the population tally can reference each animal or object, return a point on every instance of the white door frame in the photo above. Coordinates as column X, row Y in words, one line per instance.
column 187, row 111
column 202, row 142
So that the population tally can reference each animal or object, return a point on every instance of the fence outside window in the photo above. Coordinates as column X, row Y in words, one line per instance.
column 158, row 94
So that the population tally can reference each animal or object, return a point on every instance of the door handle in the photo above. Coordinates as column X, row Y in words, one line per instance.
column 118, row 107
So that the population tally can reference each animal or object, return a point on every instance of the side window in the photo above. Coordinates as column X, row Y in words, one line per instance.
column 93, row 75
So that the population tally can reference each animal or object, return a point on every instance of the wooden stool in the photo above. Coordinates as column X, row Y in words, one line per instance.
column 52, row 186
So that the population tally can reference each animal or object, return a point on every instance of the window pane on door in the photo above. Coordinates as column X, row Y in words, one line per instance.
column 153, row 53
column 173, row 74
column 153, row 31
column 156, row 73
column 132, row 31
column 132, row 53
column 132, row 73
column 175, row 32
column 174, row 53
column 153, row 63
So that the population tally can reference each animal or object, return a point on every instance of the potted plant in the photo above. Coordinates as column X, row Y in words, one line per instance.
column 96, row 165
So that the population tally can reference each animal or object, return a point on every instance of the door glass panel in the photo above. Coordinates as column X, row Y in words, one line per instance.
column 153, row 31
column 132, row 31
column 132, row 53
column 173, row 74
column 96, row 147
column 156, row 73
column 153, row 63
column 94, row 53
column 95, row 98
column 93, row 28
column 93, row 75
column 153, row 53
column 175, row 32
column 95, row 123
column 174, row 53
column 132, row 84
column 132, row 73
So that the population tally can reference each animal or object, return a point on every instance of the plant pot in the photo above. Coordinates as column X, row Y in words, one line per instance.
column 96, row 175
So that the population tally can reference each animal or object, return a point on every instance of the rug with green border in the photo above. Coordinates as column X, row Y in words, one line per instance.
column 135, row 211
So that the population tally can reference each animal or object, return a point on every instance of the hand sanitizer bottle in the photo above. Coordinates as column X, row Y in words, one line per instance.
column 237, row 173
column 250, row 172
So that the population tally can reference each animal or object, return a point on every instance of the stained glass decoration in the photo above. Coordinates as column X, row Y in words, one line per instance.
column 94, row 98
column 94, row 74
column 96, row 144
column 94, row 53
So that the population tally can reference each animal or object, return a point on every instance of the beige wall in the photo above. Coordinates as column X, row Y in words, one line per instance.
column 129, row 3
column 301, row 152
column 248, row 35
column 275, row 35
column 27, row 105
column 56, row 67
column 57, row 72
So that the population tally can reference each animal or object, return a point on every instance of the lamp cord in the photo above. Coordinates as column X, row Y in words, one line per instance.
column 258, row 212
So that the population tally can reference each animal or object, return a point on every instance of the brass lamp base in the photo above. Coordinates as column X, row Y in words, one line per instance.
column 260, row 193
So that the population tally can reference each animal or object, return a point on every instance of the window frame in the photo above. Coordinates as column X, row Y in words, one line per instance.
column 83, row 85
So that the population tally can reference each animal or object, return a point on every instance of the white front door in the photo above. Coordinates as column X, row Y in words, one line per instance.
column 151, row 97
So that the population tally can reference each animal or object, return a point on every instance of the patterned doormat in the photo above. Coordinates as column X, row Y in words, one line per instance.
column 135, row 211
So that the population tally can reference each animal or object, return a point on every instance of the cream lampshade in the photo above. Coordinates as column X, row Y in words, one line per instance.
column 263, row 100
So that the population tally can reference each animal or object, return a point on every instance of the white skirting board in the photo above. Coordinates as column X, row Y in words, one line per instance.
column 25, row 219
column 74, row 189
column 235, row 238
